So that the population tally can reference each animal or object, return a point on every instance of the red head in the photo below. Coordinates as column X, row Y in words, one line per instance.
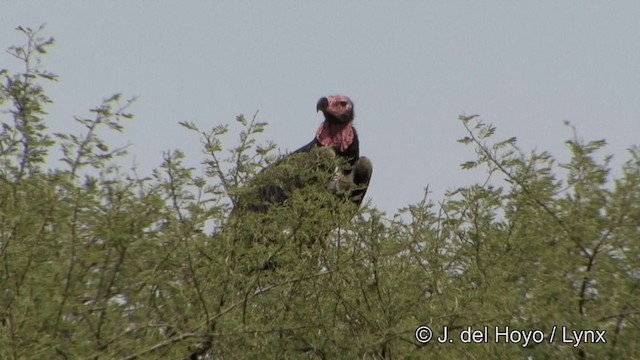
column 337, row 109
column 336, row 130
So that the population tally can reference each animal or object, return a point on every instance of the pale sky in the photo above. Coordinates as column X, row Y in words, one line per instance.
column 411, row 67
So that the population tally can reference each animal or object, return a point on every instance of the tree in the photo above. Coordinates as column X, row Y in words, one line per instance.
column 96, row 262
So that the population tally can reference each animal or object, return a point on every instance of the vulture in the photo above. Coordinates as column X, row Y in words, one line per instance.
column 331, row 162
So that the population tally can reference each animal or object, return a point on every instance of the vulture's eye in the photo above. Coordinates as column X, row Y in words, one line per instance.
column 343, row 103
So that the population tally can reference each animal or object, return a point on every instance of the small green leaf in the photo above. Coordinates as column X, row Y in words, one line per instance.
column 469, row 165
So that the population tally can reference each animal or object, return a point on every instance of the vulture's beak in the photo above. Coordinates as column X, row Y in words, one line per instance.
column 323, row 104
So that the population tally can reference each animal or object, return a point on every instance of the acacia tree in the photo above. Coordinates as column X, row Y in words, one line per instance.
column 97, row 262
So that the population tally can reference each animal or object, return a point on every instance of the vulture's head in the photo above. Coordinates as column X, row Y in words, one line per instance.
column 336, row 109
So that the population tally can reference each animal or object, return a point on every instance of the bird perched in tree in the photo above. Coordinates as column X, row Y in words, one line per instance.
column 332, row 159
column 328, row 165
column 337, row 133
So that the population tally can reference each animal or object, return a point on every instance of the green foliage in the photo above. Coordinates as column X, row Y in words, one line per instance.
column 99, row 263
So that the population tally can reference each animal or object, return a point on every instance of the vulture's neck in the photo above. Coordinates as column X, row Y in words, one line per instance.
column 337, row 135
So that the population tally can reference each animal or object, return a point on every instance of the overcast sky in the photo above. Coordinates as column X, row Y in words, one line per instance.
column 411, row 67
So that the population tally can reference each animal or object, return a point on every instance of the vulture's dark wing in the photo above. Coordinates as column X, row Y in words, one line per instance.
column 309, row 166
column 306, row 148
